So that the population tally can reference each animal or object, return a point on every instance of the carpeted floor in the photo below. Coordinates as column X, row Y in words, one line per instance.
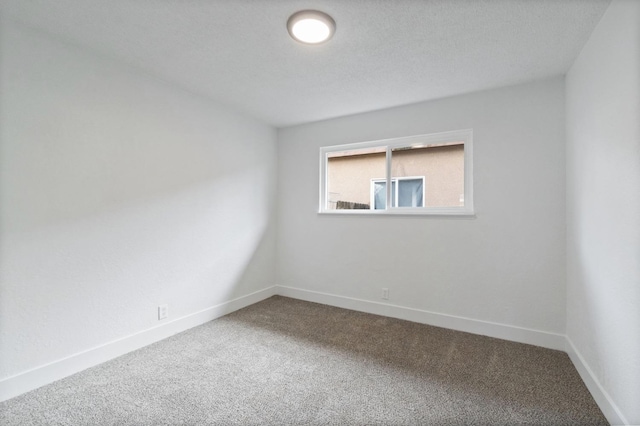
column 285, row 362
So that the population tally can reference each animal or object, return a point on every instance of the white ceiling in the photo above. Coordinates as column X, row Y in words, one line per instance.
column 384, row 53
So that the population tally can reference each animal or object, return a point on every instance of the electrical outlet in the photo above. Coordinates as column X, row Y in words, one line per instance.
column 385, row 293
column 163, row 311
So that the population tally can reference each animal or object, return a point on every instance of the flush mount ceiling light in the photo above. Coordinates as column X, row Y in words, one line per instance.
column 311, row 26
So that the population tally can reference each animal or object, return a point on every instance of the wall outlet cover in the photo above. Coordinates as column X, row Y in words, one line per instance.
column 163, row 312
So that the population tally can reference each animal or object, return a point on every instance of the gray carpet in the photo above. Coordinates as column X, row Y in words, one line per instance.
column 284, row 361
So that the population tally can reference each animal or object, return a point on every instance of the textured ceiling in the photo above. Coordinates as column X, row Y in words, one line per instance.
column 384, row 53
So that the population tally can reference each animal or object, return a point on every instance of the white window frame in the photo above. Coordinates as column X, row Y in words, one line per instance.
column 397, row 179
column 465, row 136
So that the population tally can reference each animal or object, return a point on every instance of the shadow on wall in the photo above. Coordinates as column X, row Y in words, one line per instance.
column 82, row 135
column 118, row 193
column 63, row 174
column 612, row 348
column 78, row 284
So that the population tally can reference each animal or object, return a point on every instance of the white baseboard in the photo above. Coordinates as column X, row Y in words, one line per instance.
column 485, row 328
column 48, row 373
column 45, row 374
column 602, row 398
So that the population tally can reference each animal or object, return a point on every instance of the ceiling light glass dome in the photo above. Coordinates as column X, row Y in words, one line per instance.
column 311, row 26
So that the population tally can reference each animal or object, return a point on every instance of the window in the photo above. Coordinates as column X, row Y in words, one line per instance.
column 409, row 194
column 426, row 174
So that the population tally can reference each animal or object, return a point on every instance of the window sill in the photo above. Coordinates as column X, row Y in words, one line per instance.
column 454, row 213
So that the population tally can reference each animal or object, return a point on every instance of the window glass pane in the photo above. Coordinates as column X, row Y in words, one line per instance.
column 380, row 194
column 350, row 176
column 410, row 193
column 438, row 168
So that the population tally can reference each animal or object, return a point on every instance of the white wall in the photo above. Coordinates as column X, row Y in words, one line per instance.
column 119, row 193
column 506, row 266
column 603, row 209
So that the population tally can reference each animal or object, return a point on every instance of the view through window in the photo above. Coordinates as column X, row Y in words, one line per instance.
column 426, row 174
